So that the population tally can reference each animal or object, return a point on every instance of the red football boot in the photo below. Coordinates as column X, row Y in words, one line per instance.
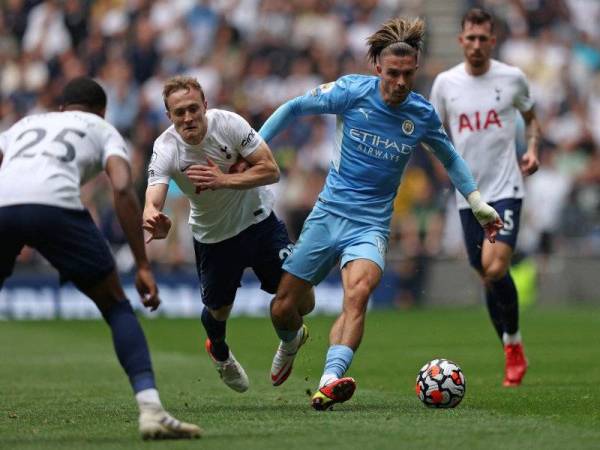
column 516, row 365
column 338, row 391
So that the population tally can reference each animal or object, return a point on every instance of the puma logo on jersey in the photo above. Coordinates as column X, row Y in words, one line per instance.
column 476, row 122
column 366, row 112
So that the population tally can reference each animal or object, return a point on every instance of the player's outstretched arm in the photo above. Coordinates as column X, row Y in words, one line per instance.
column 155, row 222
column 280, row 119
column 529, row 162
column 436, row 140
column 263, row 170
column 461, row 177
column 129, row 214
column 329, row 98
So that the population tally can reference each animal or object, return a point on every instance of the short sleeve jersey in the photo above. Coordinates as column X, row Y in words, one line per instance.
column 223, row 213
column 47, row 157
column 481, row 113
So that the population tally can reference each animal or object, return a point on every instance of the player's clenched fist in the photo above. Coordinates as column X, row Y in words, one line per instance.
column 207, row 176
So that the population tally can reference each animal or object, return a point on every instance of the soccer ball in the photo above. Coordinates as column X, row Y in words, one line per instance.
column 440, row 384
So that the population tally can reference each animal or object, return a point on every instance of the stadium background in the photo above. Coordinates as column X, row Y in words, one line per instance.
column 252, row 55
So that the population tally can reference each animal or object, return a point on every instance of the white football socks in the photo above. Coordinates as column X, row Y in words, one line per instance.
column 326, row 379
column 511, row 339
column 148, row 398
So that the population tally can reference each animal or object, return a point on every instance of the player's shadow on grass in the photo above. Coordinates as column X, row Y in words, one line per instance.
column 294, row 407
column 288, row 407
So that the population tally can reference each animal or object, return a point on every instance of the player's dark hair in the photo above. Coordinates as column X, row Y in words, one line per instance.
column 83, row 91
column 477, row 16
column 399, row 36
column 180, row 82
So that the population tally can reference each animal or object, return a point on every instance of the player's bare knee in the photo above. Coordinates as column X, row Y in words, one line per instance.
column 106, row 293
column 282, row 305
column 222, row 313
column 494, row 272
column 357, row 294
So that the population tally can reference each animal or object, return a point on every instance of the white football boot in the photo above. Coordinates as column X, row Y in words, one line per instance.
column 156, row 423
column 285, row 355
column 231, row 371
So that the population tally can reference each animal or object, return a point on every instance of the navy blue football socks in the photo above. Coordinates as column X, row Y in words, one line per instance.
column 130, row 345
column 494, row 311
column 503, row 305
column 215, row 330
column 286, row 335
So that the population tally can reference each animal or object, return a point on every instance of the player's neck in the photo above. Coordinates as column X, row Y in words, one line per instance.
column 478, row 71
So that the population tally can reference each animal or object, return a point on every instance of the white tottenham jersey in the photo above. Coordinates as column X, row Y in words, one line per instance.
column 47, row 157
column 223, row 213
column 481, row 114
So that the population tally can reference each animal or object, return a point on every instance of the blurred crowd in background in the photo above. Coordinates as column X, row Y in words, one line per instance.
column 252, row 55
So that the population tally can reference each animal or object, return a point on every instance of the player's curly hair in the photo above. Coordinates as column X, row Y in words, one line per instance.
column 399, row 36
column 180, row 82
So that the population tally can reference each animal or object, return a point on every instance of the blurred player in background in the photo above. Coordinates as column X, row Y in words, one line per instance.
column 478, row 99
column 380, row 124
column 44, row 159
column 231, row 215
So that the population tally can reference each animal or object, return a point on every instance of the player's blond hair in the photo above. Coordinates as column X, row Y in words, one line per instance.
column 180, row 82
column 400, row 36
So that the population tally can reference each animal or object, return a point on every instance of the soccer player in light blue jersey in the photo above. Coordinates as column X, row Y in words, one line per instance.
column 380, row 123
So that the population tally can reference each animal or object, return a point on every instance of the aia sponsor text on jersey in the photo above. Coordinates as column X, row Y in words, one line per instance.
column 479, row 121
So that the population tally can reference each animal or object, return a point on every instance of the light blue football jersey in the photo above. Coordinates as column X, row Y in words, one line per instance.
column 373, row 144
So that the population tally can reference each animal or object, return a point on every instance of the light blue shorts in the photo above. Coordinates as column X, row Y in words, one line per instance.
column 326, row 239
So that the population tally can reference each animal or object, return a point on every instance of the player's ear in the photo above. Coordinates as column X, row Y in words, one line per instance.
column 168, row 114
column 378, row 69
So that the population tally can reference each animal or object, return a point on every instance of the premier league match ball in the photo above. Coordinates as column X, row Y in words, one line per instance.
column 440, row 384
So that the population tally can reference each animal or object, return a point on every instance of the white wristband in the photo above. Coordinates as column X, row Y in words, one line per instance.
column 474, row 199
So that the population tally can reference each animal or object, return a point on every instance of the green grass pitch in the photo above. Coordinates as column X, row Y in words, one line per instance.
column 61, row 386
